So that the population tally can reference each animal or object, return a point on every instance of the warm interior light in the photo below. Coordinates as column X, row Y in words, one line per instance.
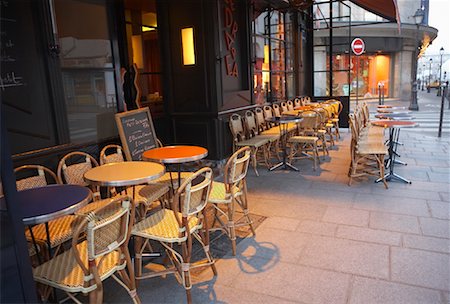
column 266, row 53
column 187, row 43
column 147, row 28
column 136, row 44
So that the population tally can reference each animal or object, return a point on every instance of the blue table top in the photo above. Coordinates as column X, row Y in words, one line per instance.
column 42, row 204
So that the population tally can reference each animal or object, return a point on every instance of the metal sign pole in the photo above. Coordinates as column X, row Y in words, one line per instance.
column 441, row 116
column 357, row 78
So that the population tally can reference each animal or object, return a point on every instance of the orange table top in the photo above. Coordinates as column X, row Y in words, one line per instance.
column 175, row 154
column 394, row 123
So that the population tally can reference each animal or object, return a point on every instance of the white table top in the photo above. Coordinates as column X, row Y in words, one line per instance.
column 124, row 173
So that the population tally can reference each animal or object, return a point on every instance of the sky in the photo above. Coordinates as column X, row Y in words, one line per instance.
column 439, row 17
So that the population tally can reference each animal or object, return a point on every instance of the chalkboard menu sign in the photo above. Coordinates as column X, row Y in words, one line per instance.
column 136, row 132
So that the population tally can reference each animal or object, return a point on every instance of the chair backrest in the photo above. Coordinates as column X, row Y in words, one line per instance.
column 260, row 121
column 236, row 127
column 106, row 229
column 284, row 107
column 250, row 123
column 236, row 167
column 306, row 100
column 290, row 105
column 33, row 176
column 310, row 122
column 276, row 110
column 111, row 154
column 298, row 102
column 193, row 197
column 267, row 112
column 72, row 166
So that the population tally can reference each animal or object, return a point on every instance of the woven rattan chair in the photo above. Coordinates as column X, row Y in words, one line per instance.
column 99, row 251
column 231, row 192
column 257, row 144
column 367, row 154
column 297, row 102
column 169, row 227
column 337, row 109
column 60, row 230
column 305, row 144
column 284, row 107
column 71, row 170
column 290, row 105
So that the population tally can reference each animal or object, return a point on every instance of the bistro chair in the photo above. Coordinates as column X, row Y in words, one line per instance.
column 99, row 251
column 367, row 154
column 284, row 107
column 186, row 219
column 232, row 191
column 298, row 102
column 276, row 110
column 307, row 140
column 337, row 109
column 264, row 128
column 71, row 170
column 240, row 139
column 144, row 195
column 253, row 131
column 290, row 105
column 60, row 230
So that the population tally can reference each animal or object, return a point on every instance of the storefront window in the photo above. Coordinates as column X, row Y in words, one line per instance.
column 273, row 50
column 87, row 69
column 144, row 51
column 373, row 72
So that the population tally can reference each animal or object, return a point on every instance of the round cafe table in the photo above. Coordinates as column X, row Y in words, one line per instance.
column 43, row 204
column 128, row 173
column 175, row 155
column 283, row 122
column 394, row 116
column 394, row 133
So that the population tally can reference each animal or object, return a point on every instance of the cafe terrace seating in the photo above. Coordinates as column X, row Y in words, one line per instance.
column 257, row 144
column 99, row 251
column 307, row 140
column 367, row 149
column 60, row 230
column 231, row 192
column 170, row 227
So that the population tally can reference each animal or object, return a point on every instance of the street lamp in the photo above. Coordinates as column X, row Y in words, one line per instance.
column 429, row 76
column 418, row 17
column 441, row 52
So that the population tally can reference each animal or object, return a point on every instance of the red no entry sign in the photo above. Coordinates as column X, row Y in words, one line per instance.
column 358, row 46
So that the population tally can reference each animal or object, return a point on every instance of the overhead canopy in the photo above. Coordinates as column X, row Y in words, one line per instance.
column 385, row 8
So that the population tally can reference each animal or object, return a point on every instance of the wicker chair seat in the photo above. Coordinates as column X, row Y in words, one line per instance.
column 147, row 194
column 165, row 179
column 219, row 194
column 292, row 126
column 31, row 182
column 60, row 231
column 271, row 137
column 93, row 206
column 256, row 141
column 303, row 139
column 31, row 249
column 163, row 226
column 334, row 119
column 272, row 131
column 371, row 148
column 65, row 273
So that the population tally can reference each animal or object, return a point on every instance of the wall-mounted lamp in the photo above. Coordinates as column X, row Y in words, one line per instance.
column 187, row 45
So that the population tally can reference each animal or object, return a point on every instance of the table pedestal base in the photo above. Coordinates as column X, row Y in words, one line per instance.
column 285, row 165
column 391, row 176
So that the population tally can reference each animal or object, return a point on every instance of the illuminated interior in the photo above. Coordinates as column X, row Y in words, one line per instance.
column 187, row 41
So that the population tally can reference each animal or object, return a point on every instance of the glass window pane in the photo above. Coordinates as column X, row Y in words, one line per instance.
column 260, row 87
column 151, row 89
column 277, row 25
column 278, row 86
column 278, row 56
column 340, row 84
column 290, row 86
column 91, row 103
column 321, row 80
column 261, row 23
column 87, row 43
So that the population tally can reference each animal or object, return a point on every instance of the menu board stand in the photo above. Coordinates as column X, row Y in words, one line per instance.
column 137, row 133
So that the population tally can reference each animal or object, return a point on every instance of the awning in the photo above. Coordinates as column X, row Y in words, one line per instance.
column 387, row 9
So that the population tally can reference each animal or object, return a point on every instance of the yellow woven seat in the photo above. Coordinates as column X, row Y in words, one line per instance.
column 65, row 273
column 371, row 148
column 60, row 231
column 220, row 195
column 93, row 206
column 253, row 142
column 291, row 127
column 147, row 194
column 165, row 179
column 163, row 226
column 272, row 131
column 303, row 139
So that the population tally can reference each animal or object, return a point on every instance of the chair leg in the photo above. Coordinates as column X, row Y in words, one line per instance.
column 231, row 228
column 186, row 276
column 254, row 161
column 205, row 239
column 245, row 207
